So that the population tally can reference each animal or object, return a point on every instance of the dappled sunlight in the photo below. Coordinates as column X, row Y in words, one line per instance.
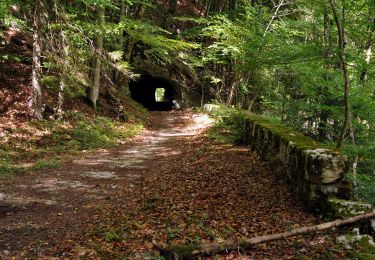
column 177, row 134
column 56, row 185
column 24, row 200
column 107, row 150
column 101, row 175
column 168, row 176
column 152, row 144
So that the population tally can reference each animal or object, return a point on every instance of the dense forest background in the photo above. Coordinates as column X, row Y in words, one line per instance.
column 307, row 64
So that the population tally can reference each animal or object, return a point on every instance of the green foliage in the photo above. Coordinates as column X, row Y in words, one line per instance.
column 6, row 168
column 229, row 126
column 156, row 40
column 12, row 57
column 89, row 135
column 280, row 62
column 100, row 132
column 366, row 186
column 111, row 236
column 6, row 15
column 99, row 3
column 78, row 132
column 362, row 248
column 6, row 156
column 285, row 64
column 159, row 94
column 52, row 163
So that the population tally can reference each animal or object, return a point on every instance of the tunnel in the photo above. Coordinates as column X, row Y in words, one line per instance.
column 155, row 94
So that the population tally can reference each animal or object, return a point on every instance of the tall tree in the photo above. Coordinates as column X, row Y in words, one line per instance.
column 98, row 54
column 63, row 56
column 340, row 24
column 140, row 10
column 36, row 101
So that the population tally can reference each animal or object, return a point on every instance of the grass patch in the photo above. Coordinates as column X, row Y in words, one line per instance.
column 39, row 141
column 46, row 164
column 6, row 168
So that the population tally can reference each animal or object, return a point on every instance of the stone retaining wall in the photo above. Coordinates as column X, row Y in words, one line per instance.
column 314, row 172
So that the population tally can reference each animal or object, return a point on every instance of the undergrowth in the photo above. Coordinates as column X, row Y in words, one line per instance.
column 365, row 187
column 229, row 126
column 42, row 144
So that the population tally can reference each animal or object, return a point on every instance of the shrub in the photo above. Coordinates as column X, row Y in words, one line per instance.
column 229, row 126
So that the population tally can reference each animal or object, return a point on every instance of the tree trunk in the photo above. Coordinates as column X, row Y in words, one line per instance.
column 344, row 66
column 172, row 8
column 324, row 113
column 252, row 102
column 131, row 42
column 281, row 2
column 37, row 105
column 368, row 52
column 231, row 94
column 94, row 90
column 215, row 6
column 208, row 6
column 64, row 54
column 117, row 77
column 364, row 74
column 327, row 38
column 123, row 13
column 232, row 5
column 202, row 95
column 231, row 82
column 171, row 11
column 356, row 157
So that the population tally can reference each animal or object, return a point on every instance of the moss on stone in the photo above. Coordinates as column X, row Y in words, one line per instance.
column 298, row 139
column 301, row 141
column 365, row 256
column 345, row 208
column 363, row 247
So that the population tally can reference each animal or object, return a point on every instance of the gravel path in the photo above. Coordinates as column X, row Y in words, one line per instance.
column 169, row 184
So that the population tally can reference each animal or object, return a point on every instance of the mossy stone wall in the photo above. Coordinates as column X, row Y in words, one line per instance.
column 314, row 171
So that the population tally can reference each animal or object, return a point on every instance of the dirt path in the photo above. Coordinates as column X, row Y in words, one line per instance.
column 169, row 184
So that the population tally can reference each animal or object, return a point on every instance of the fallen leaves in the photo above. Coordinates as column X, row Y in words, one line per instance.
column 201, row 192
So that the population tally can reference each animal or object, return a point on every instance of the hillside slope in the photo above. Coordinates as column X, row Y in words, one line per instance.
column 26, row 143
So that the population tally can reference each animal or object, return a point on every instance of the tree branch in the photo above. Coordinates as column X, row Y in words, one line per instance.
column 180, row 252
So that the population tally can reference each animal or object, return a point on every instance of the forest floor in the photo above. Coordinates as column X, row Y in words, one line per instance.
column 170, row 184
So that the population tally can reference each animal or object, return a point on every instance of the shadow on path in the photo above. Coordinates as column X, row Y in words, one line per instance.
column 170, row 184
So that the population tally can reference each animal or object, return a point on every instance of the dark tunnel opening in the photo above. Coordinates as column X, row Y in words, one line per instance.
column 155, row 94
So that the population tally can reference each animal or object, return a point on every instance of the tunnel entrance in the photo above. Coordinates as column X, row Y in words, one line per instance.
column 155, row 94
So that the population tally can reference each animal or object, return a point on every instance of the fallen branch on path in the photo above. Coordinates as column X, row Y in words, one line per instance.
column 188, row 251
